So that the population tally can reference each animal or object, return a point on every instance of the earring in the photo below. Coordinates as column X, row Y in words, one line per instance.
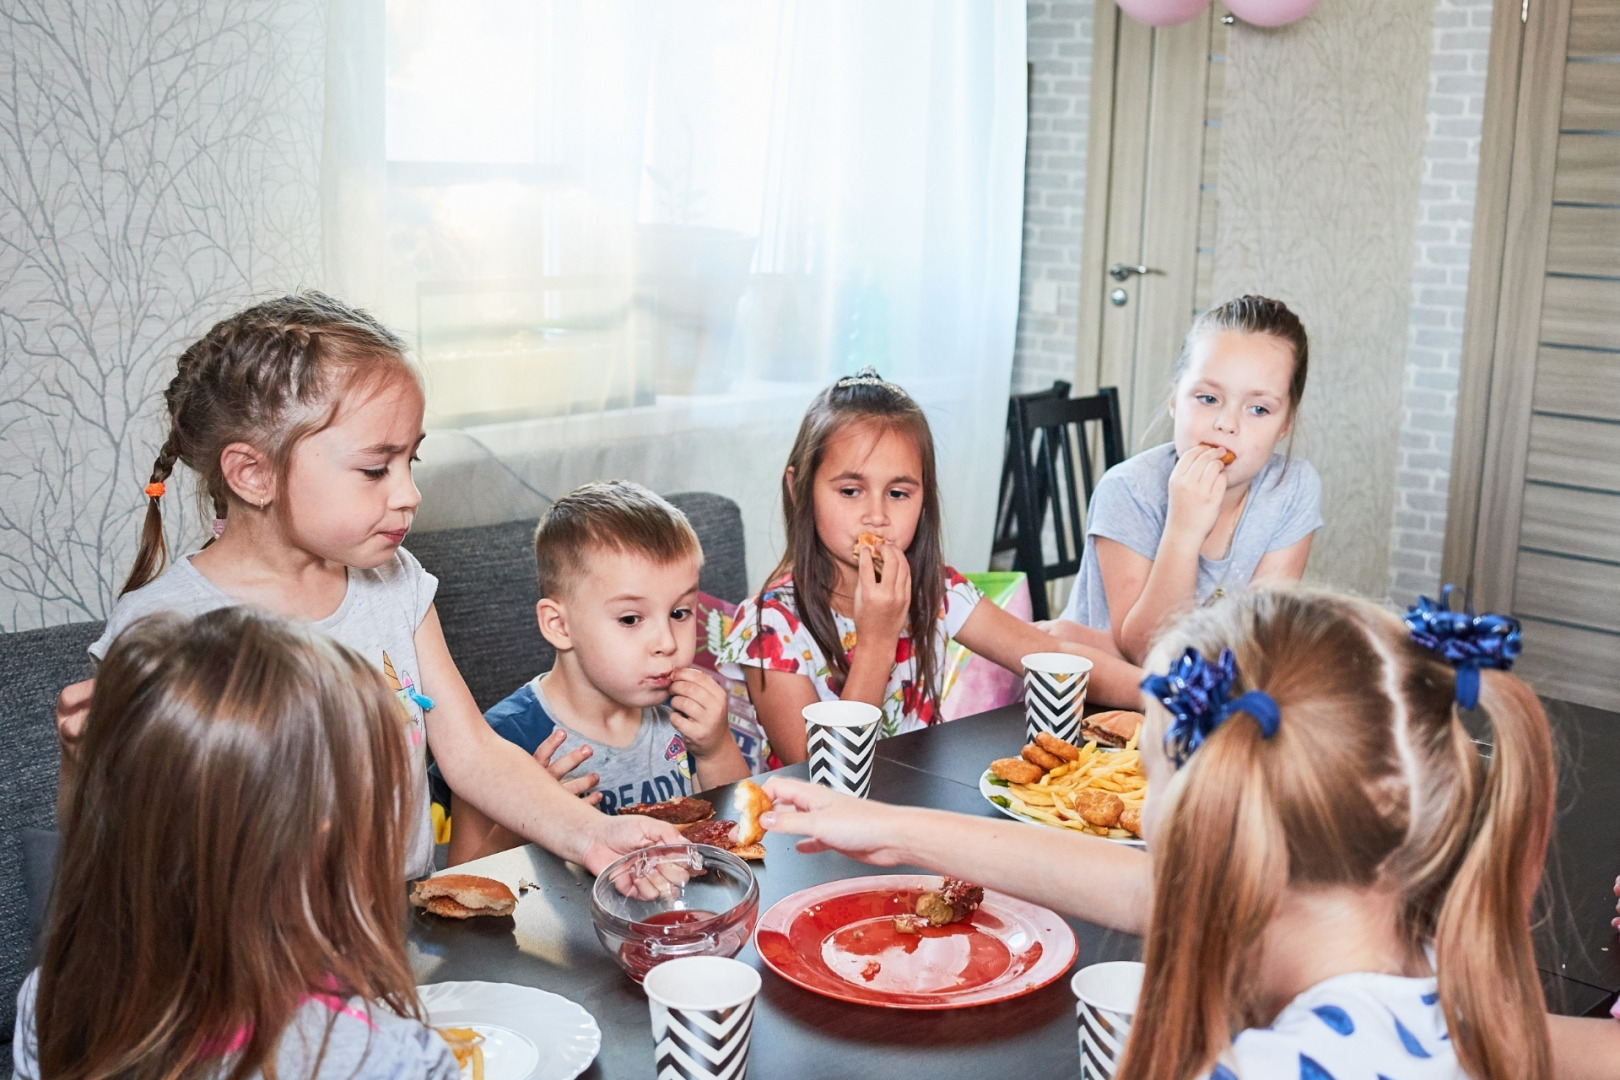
column 263, row 503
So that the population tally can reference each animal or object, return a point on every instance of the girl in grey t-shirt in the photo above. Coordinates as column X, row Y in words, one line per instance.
column 1217, row 509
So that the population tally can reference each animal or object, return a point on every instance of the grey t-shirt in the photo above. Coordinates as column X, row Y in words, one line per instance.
column 378, row 618
column 1132, row 501
column 653, row 768
column 365, row 1044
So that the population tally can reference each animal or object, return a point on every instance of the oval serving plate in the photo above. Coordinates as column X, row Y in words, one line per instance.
column 993, row 791
column 529, row 1033
column 838, row 939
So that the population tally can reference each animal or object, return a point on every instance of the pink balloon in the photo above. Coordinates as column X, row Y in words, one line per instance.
column 1163, row 12
column 1271, row 12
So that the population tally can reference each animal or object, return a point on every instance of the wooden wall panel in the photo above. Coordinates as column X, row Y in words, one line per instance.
column 1571, row 664
column 1594, row 28
column 1581, row 311
column 1591, row 97
column 1585, row 523
column 1322, row 137
column 1569, row 590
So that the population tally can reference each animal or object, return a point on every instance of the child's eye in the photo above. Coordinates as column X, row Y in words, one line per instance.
column 1204, row 399
column 375, row 474
column 849, row 492
column 681, row 614
column 899, row 493
column 629, row 620
column 1261, row 410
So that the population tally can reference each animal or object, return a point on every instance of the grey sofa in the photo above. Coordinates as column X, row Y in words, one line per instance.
column 486, row 598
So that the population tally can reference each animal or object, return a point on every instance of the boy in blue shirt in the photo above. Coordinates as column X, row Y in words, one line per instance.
column 618, row 572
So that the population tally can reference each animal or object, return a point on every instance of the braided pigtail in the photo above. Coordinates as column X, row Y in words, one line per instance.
column 153, row 553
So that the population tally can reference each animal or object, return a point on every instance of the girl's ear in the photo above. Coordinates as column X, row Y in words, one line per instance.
column 553, row 623
column 787, row 483
column 248, row 473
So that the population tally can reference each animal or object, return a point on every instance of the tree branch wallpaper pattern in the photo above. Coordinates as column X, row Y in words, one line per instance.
column 159, row 167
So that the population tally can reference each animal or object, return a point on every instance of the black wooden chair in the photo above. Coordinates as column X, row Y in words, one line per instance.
column 1053, row 472
column 1006, row 535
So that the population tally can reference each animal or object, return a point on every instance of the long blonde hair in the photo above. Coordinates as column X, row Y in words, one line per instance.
column 234, row 845
column 1371, row 780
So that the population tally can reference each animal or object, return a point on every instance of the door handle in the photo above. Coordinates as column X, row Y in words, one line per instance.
column 1121, row 271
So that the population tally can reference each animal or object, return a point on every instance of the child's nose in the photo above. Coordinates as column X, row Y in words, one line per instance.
column 407, row 496
column 664, row 640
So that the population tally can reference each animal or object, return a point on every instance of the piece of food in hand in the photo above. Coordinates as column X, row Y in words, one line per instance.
column 955, row 901
column 875, row 542
column 1116, row 728
column 1015, row 770
column 1036, row 756
column 1130, row 819
column 682, row 811
column 748, row 802
column 466, row 1044
column 461, row 896
column 1099, row 808
column 1060, row 748
column 909, row 923
column 723, row 835
column 1227, row 457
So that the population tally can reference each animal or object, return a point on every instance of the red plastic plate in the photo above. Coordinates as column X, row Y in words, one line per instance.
column 838, row 939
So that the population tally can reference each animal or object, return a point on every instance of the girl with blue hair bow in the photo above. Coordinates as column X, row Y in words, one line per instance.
column 1339, row 883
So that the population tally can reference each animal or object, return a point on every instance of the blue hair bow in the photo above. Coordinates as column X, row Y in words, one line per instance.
column 1198, row 695
column 1464, row 640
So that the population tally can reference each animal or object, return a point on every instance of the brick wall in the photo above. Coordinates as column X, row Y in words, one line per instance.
column 1439, row 292
column 1054, row 191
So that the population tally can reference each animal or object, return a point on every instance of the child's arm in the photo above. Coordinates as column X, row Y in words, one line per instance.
column 1084, row 876
column 1285, row 565
column 881, row 611
column 1584, row 1048
column 512, row 788
column 1006, row 640
column 697, row 708
column 1144, row 593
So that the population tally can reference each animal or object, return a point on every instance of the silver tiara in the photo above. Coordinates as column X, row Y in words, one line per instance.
column 867, row 376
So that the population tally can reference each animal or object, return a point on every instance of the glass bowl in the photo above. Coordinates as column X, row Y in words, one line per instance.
column 673, row 900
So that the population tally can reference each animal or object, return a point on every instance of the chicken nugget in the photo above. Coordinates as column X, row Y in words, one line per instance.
column 1036, row 756
column 1016, row 770
column 1057, row 747
column 1100, row 808
column 1130, row 819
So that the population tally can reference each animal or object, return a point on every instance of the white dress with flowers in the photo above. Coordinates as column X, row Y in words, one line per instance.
column 768, row 633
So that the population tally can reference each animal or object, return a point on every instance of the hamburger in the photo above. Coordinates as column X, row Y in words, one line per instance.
column 1113, row 729
column 461, row 896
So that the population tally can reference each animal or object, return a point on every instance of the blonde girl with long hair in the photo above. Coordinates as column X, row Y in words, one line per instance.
column 829, row 625
column 1339, row 881
column 300, row 418
column 227, row 900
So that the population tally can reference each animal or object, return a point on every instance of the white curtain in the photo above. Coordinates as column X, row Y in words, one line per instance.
column 633, row 237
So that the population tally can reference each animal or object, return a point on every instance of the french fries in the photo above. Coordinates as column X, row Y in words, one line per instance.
column 464, row 1043
column 1052, row 799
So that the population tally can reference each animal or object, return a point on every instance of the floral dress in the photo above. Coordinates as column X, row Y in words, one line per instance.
column 768, row 633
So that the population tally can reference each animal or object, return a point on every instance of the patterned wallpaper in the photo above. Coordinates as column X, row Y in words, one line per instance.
column 159, row 165
column 1323, row 132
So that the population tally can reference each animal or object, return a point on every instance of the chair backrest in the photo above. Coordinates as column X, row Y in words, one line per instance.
column 1054, row 473
column 488, row 589
column 34, row 666
column 1006, row 535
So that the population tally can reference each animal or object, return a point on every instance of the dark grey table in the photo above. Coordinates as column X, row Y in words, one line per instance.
column 550, row 943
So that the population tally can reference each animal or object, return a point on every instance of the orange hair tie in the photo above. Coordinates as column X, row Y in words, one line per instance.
column 155, row 490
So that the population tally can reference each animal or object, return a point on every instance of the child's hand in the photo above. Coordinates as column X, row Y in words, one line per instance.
column 882, row 608
column 1616, row 921
column 580, row 785
column 860, row 828
column 1197, row 485
column 615, row 836
column 697, row 708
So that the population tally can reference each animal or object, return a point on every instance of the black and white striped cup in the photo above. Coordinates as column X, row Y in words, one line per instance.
column 702, row 1016
column 842, row 739
column 1054, row 694
column 1105, row 1004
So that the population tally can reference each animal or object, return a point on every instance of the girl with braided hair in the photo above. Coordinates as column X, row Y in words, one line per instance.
column 301, row 417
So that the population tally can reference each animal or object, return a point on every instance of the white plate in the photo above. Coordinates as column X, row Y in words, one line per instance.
column 529, row 1034
column 992, row 791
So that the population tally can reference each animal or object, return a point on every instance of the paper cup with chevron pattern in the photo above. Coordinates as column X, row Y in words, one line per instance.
column 842, row 738
column 1105, row 1003
column 1054, row 694
column 702, row 1016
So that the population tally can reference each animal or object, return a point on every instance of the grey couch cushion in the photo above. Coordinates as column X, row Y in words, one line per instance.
column 488, row 589
column 34, row 666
